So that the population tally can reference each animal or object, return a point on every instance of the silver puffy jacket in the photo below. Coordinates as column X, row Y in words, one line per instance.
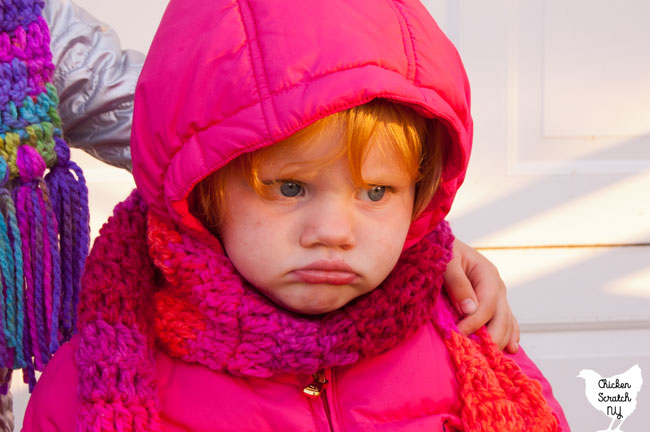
column 95, row 79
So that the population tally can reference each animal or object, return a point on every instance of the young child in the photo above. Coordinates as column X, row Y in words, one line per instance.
column 279, row 266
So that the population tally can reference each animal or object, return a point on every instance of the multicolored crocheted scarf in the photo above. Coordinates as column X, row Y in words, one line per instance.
column 145, row 282
column 44, row 234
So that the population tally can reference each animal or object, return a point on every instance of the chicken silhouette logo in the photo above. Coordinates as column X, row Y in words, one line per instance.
column 615, row 396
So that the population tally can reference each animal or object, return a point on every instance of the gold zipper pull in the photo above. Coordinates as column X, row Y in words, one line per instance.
column 315, row 389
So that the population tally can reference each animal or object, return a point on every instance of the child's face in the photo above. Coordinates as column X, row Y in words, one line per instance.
column 322, row 241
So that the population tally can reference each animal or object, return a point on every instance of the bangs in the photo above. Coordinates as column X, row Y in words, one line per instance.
column 390, row 127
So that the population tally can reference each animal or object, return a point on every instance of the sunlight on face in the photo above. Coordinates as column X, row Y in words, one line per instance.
column 321, row 241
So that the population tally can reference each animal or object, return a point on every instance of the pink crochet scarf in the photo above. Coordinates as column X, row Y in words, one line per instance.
column 193, row 304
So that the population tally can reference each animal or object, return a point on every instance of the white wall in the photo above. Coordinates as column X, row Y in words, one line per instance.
column 557, row 190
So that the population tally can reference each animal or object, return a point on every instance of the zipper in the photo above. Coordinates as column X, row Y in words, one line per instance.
column 317, row 390
column 317, row 386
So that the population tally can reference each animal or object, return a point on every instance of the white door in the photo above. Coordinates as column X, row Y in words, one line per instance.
column 558, row 190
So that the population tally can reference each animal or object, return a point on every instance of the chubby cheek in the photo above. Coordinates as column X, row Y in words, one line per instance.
column 386, row 254
column 246, row 241
column 245, row 234
column 385, row 249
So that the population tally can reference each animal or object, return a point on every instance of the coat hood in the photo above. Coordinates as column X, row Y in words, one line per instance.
column 226, row 77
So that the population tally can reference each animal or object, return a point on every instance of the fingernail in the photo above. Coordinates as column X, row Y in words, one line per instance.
column 468, row 306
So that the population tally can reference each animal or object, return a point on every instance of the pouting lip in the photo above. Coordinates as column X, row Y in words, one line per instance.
column 327, row 265
column 327, row 273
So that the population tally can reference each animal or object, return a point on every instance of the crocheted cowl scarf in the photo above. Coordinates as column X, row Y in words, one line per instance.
column 145, row 283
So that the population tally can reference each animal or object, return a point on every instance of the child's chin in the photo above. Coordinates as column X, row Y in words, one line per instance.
column 314, row 306
column 311, row 299
column 312, row 309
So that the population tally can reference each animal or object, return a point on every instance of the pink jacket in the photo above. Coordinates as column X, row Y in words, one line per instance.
column 391, row 392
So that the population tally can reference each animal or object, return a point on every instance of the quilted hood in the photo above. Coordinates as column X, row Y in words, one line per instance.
column 226, row 77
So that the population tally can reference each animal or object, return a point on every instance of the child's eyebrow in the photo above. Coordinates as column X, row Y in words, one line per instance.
column 388, row 179
column 303, row 169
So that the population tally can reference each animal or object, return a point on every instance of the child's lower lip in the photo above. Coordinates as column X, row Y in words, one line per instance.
column 325, row 277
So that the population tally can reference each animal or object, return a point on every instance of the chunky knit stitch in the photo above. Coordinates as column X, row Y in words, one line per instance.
column 204, row 312
column 38, row 216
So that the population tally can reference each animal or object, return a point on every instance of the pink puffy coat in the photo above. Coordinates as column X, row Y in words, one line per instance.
column 224, row 77
column 400, row 390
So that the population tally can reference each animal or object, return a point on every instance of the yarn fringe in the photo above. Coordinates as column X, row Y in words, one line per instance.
column 44, row 220
column 496, row 394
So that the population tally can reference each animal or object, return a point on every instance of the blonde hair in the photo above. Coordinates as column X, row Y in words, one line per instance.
column 416, row 140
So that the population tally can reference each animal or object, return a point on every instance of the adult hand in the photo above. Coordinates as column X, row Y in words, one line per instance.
column 479, row 294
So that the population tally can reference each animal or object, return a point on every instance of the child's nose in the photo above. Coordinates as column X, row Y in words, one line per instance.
column 329, row 224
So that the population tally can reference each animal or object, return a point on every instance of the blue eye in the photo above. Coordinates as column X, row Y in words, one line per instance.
column 376, row 193
column 290, row 189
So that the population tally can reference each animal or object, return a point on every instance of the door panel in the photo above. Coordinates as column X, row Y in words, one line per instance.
column 562, row 137
column 557, row 191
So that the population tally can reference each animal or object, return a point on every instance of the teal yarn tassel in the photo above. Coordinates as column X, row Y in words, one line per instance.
column 12, row 273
